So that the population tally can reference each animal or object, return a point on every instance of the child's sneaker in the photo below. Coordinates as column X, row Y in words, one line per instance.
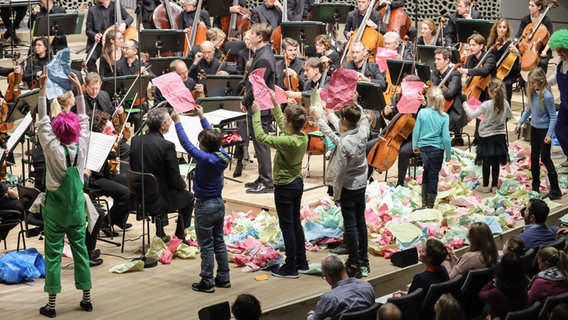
column 203, row 287
column 222, row 284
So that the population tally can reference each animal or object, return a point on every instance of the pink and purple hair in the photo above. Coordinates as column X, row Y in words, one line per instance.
column 66, row 127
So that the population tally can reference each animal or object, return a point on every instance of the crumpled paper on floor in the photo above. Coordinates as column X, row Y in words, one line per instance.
column 136, row 265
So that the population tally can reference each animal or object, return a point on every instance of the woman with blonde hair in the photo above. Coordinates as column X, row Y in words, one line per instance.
column 428, row 30
column 542, row 112
column 448, row 308
column 63, row 103
column 492, row 150
column 552, row 279
column 482, row 251
column 430, row 137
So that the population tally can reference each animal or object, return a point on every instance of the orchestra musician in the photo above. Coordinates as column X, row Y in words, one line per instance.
column 371, row 73
column 314, row 71
column 270, row 11
column 295, row 64
column 463, row 11
column 263, row 58
column 536, row 9
column 326, row 53
column 502, row 30
column 217, row 37
column 428, row 32
column 355, row 17
column 95, row 99
column 452, row 91
column 204, row 60
column 144, row 12
column 129, row 64
column 178, row 66
column 239, row 9
column 392, row 41
column 111, row 53
column 60, row 41
column 298, row 9
column 99, row 18
column 39, row 59
column 6, row 15
column 188, row 15
column 244, row 54
column 477, row 52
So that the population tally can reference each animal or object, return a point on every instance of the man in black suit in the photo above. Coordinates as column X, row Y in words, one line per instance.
column 270, row 12
column 151, row 153
column 95, row 98
column 295, row 64
column 371, row 73
column 463, row 11
column 263, row 58
column 99, row 18
column 355, row 17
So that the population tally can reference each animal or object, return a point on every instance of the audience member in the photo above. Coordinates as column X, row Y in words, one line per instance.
column 389, row 311
column 553, row 276
column 246, row 307
column 448, row 308
column 515, row 245
column 536, row 232
column 482, row 251
column 507, row 292
column 346, row 293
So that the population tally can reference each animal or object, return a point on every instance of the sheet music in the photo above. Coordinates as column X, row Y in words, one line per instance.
column 192, row 127
column 19, row 132
column 99, row 148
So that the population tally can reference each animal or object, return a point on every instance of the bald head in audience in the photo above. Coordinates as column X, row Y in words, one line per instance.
column 389, row 311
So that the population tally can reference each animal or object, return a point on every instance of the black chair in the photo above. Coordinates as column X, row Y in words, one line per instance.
column 219, row 311
column 9, row 219
column 33, row 225
column 530, row 313
column 527, row 260
column 408, row 304
column 369, row 313
column 137, row 182
column 474, row 282
column 550, row 303
column 452, row 286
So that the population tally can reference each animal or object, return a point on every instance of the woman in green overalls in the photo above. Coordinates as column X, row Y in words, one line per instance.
column 64, row 142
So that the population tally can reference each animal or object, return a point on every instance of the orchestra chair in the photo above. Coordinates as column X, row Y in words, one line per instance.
column 529, row 313
column 96, row 196
column 219, row 311
column 474, row 282
column 550, row 303
column 137, row 182
column 407, row 304
column 316, row 135
column 10, row 218
column 415, row 161
column 369, row 313
column 462, row 134
column 452, row 286
column 33, row 224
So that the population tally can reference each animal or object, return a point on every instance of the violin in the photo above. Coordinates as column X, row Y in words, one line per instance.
column 5, row 126
column 200, row 80
column 292, row 83
column 535, row 37
column 236, row 24
column 14, row 79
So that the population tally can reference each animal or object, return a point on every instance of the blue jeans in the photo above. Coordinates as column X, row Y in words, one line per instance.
column 352, row 204
column 209, row 219
column 288, row 199
column 432, row 159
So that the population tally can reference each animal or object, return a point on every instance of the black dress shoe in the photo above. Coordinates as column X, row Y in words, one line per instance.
column 87, row 306
column 238, row 169
column 108, row 232
column 95, row 254
column 126, row 226
column 261, row 188
column 341, row 249
column 95, row 262
column 50, row 313
column 252, row 184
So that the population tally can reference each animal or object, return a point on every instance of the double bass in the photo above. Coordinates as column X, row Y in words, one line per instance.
column 535, row 37
column 236, row 24
column 276, row 37
column 197, row 32
column 370, row 37
column 396, row 20
column 166, row 16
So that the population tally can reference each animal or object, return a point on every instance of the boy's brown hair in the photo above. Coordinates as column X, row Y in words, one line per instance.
column 296, row 116
column 210, row 140
column 351, row 113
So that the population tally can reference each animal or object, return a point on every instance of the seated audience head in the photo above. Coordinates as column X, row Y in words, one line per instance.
column 246, row 307
column 448, row 308
column 535, row 212
column 350, row 115
column 510, row 277
column 158, row 120
column 560, row 312
column 481, row 239
column 389, row 311
column 515, row 245
column 333, row 269
column 433, row 253
column 549, row 257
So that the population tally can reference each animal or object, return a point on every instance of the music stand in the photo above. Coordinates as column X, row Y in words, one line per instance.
column 219, row 9
column 160, row 66
column 26, row 102
column 426, row 55
column 395, row 67
column 234, row 46
column 305, row 32
column 467, row 27
column 123, row 83
column 220, row 86
column 330, row 12
column 59, row 24
column 370, row 96
column 231, row 103
column 156, row 41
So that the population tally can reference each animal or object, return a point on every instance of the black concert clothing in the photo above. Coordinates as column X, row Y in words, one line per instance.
column 209, row 68
column 59, row 42
column 310, row 85
column 296, row 9
column 262, row 13
column 6, row 203
column 515, row 69
column 487, row 68
column 526, row 20
column 123, row 68
column 453, row 90
column 145, row 11
column 450, row 32
column 100, row 102
column 186, row 19
column 5, row 71
column 6, row 16
column 354, row 19
column 195, row 49
column 217, row 19
column 371, row 71
column 33, row 66
column 105, row 70
column 420, row 41
column 99, row 19
column 297, row 65
column 335, row 60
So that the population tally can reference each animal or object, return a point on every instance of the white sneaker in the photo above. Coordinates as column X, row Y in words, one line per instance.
column 483, row 189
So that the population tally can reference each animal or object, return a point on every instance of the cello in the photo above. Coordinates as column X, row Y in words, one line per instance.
column 291, row 83
column 197, row 32
column 276, row 37
column 535, row 37
column 507, row 61
column 370, row 37
column 396, row 20
column 236, row 24
column 166, row 16
column 385, row 151
column 475, row 85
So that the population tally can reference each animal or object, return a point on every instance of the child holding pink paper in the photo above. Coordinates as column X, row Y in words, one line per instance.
column 288, row 184
column 492, row 149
